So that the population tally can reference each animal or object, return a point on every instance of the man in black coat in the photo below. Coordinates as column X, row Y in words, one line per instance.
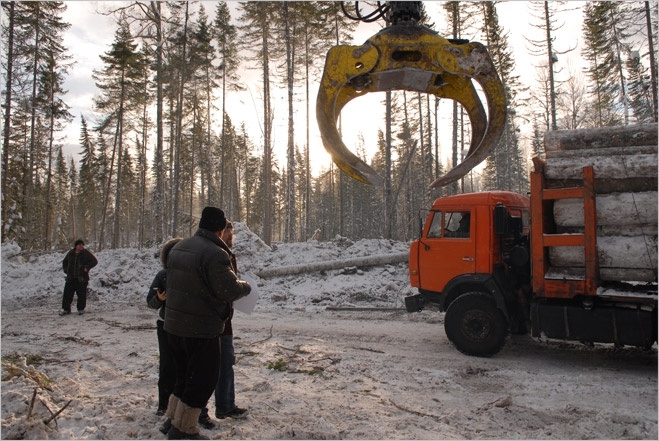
column 76, row 265
column 200, row 289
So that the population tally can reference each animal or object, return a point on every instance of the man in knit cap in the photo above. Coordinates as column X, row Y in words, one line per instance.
column 201, row 286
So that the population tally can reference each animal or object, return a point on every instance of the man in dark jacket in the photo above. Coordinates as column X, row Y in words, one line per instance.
column 200, row 289
column 76, row 265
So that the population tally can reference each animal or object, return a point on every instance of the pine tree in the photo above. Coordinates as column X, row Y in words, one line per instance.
column 72, row 231
column 62, row 202
column 252, row 187
column 603, row 69
column 225, row 34
column 151, row 20
column 7, row 30
column 537, row 142
column 121, row 86
column 505, row 168
column 87, row 192
column 257, row 37
column 233, row 166
column 128, row 213
column 460, row 18
column 34, row 112
column 198, row 106
column 56, row 113
column 179, row 59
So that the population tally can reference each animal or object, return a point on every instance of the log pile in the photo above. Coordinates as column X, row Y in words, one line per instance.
column 624, row 160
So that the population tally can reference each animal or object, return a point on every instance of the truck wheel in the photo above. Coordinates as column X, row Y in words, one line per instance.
column 475, row 325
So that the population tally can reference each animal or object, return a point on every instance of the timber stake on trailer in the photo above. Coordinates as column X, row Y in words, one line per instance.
column 542, row 200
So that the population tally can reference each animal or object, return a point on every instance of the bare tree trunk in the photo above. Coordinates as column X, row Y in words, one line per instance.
column 8, row 108
column 267, row 148
column 550, row 64
column 307, row 161
column 101, row 239
column 653, row 66
column 143, row 168
column 290, row 176
column 388, row 202
column 33, row 117
column 120, row 148
column 49, row 179
column 159, row 202
column 74, row 224
column 179, row 126
column 191, row 196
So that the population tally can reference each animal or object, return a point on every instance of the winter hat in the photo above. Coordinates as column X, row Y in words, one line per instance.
column 212, row 219
column 78, row 242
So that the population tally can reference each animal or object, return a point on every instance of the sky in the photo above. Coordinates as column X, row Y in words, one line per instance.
column 91, row 34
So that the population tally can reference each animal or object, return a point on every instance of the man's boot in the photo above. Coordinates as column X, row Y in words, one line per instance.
column 170, row 413
column 184, row 424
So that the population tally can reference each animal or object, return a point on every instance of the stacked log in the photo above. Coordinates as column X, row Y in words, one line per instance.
column 376, row 260
column 625, row 161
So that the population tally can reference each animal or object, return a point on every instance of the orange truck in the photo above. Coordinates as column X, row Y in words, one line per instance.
column 484, row 259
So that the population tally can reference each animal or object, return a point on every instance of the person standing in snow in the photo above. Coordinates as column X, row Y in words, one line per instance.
column 225, row 393
column 201, row 287
column 156, row 299
column 76, row 266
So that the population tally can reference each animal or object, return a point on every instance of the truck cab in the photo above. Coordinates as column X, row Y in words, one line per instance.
column 479, row 260
column 471, row 261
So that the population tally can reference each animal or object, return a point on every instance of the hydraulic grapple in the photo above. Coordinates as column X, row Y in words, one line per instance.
column 409, row 56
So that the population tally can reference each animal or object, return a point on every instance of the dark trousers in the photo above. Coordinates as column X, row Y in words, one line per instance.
column 166, row 368
column 197, row 368
column 71, row 287
column 225, row 393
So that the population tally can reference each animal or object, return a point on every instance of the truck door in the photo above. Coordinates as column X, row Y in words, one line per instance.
column 448, row 249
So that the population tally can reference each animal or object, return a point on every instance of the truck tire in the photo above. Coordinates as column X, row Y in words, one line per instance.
column 475, row 325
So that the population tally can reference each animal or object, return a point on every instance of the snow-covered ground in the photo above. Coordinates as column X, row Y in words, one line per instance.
column 328, row 354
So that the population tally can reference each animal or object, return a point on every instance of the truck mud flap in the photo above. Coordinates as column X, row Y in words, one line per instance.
column 414, row 303
column 604, row 324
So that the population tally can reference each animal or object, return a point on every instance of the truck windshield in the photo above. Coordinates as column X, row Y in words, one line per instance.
column 436, row 225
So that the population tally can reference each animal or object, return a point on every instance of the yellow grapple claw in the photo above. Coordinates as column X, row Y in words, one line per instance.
column 411, row 57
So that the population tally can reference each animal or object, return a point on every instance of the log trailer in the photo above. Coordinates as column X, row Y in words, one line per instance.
column 498, row 262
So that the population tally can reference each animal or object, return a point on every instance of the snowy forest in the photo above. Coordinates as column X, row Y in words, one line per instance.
column 160, row 153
